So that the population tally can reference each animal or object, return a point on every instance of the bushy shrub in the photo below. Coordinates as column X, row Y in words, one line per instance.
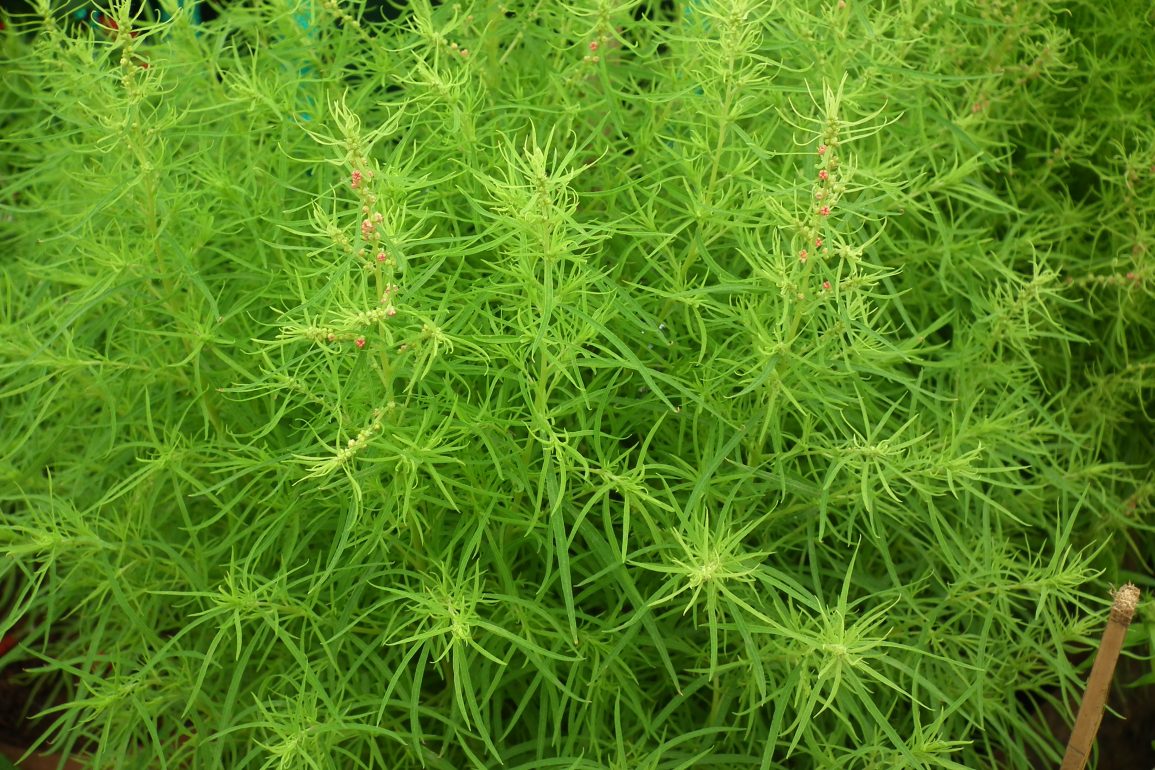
column 575, row 384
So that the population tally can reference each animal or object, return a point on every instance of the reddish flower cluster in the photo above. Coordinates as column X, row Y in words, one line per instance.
column 369, row 227
column 824, row 191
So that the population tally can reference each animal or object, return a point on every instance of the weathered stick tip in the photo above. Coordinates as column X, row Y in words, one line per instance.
column 1126, row 600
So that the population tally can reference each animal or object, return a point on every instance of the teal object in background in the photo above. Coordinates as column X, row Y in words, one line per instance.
column 306, row 20
column 688, row 16
column 194, row 7
column 196, row 10
column 85, row 11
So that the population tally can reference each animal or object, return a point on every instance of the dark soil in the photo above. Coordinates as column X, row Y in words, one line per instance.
column 20, row 700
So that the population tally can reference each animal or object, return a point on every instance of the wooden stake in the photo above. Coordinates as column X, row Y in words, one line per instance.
column 1099, row 683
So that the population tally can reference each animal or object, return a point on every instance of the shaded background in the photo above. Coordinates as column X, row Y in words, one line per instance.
column 375, row 10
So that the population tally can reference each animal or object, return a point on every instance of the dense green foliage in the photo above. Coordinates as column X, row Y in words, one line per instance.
column 575, row 383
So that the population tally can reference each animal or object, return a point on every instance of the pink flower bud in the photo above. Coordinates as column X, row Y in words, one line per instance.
column 802, row 255
column 382, row 256
column 821, row 149
column 824, row 211
column 826, row 285
column 390, row 311
column 823, row 175
column 818, row 243
column 593, row 45
column 356, row 181
column 359, row 342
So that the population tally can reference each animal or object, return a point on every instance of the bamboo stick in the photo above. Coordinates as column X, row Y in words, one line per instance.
column 1099, row 683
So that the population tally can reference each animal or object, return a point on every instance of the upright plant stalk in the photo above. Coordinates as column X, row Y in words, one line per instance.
column 1095, row 696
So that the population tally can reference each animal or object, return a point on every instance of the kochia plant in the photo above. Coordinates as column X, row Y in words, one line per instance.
column 574, row 384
